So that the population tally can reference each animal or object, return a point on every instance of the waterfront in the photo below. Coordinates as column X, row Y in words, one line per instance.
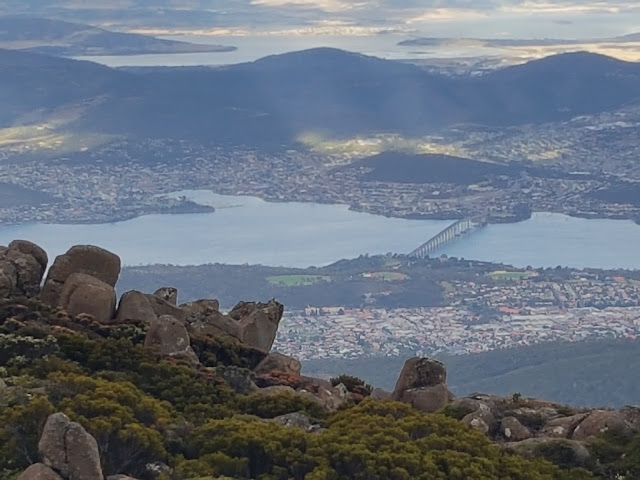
column 252, row 231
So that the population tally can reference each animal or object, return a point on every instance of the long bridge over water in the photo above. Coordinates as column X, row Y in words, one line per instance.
column 448, row 235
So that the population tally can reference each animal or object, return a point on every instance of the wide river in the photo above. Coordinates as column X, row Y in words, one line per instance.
column 250, row 230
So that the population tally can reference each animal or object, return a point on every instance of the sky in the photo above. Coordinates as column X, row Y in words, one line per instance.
column 584, row 19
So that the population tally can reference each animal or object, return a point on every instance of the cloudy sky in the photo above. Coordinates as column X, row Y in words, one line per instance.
column 526, row 18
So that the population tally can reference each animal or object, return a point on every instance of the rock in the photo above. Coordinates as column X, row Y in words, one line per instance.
column 119, row 477
column 88, row 259
column 632, row 415
column 168, row 336
column 29, row 248
column 328, row 397
column 239, row 379
column 168, row 294
column 83, row 293
column 426, row 399
column 562, row 427
column 8, row 279
column 482, row 419
column 600, row 421
column 258, row 322
column 279, row 362
column 297, row 420
column 135, row 306
column 157, row 469
column 67, row 448
column 380, row 394
column 162, row 307
column 419, row 372
column 422, row 384
column 29, row 272
column 204, row 318
column 39, row 471
column 568, row 452
column 513, row 430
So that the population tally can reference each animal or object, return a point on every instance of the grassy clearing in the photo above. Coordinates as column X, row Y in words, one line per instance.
column 297, row 280
column 508, row 275
column 387, row 276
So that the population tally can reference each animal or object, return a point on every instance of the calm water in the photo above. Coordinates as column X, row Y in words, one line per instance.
column 249, row 230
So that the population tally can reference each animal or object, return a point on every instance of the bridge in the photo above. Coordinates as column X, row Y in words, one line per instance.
column 448, row 235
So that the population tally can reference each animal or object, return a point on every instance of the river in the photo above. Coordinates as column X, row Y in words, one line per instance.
column 249, row 230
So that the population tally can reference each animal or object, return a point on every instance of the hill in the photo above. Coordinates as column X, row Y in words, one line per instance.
column 273, row 101
column 159, row 390
column 585, row 373
column 57, row 37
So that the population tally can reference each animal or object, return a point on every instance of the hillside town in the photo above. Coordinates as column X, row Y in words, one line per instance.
column 343, row 333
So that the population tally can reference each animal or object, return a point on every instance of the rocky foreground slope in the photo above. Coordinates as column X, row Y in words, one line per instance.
column 140, row 377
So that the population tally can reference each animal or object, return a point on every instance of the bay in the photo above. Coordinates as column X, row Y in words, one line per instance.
column 252, row 231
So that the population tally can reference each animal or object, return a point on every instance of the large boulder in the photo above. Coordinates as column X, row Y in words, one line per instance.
column 67, row 448
column 30, row 248
column 279, row 362
column 168, row 336
column 600, row 421
column 239, row 379
column 258, row 322
column 422, row 384
column 168, row 294
column 135, row 306
column 204, row 318
column 39, row 471
column 8, row 279
column 562, row 427
column 557, row 450
column 513, row 431
column 419, row 373
column 482, row 419
column 83, row 293
column 426, row 399
column 22, row 266
column 88, row 259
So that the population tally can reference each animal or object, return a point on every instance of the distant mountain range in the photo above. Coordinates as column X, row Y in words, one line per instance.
column 56, row 37
column 272, row 101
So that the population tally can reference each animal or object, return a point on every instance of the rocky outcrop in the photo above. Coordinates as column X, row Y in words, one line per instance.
column 22, row 266
column 162, row 307
column 87, row 259
column 297, row 420
column 315, row 389
column 240, row 380
column 68, row 449
column 168, row 337
column 422, row 384
column 83, row 293
column 279, row 362
column 258, row 322
column 513, row 431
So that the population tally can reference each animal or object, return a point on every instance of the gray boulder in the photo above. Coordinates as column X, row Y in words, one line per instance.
column 482, row 419
column 562, row 427
column 135, row 306
column 204, row 318
column 8, row 279
column 162, row 307
column 88, row 259
column 168, row 294
column 239, row 379
column 418, row 373
column 278, row 362
column 83, row 293
column 67, row 448
column 258, row 322
column 600, row 421
column 168, row 336
column 39, row 471
column 30, row 248
column 513, row 431
column 426, row 399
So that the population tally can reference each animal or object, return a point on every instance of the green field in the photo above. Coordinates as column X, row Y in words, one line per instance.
column 508, row 275
column 387, row 276
column 297, row 280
